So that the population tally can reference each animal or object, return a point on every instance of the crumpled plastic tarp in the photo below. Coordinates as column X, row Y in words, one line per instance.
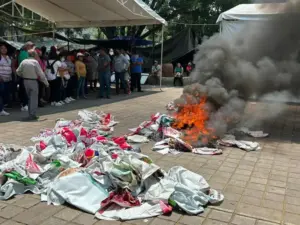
column 256, row 134
column 78, row 189
column 77, row 162
column 229, row 140
column 207, row 151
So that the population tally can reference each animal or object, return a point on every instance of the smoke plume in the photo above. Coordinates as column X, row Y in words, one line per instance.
column 261, row 61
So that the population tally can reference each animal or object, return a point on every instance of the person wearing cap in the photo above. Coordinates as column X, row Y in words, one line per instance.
column 104, row 69
column 31, row 72
column 155, row 74
column 80, row 69
column 22, row 92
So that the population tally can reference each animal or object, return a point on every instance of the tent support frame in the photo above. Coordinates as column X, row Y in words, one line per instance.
column 161, row 56
column 17, row 11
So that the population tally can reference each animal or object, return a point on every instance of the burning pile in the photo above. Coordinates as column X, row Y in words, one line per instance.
column 201, row 116
column 259, row 62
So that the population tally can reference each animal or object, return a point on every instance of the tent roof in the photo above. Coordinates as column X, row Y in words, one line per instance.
column 253, row 12
column 94, row 13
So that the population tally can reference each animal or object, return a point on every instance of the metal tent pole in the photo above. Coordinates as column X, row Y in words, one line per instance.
column 161, row 55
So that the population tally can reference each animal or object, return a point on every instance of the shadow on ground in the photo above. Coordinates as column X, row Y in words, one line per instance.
column 92, row 101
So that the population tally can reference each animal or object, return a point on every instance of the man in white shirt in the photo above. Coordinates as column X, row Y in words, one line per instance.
column 31, row 71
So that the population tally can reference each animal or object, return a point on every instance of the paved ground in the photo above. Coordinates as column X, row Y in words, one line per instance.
column 260, row 188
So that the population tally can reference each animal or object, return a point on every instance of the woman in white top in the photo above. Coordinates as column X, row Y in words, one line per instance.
column 54, row 73
column 5, row 78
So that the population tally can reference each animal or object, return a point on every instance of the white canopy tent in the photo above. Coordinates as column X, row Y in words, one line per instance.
column 95, row 13
column 234, row 20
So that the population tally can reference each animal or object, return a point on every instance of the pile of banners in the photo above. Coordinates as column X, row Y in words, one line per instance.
column 169, row 140
column 80, row 163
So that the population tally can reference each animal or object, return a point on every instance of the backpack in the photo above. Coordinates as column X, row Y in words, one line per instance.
column 50, row 66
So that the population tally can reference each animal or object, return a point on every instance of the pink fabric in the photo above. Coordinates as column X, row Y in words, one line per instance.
column 123, row 199
column 121, row 141
column 69, row 135
column 31, row 166
column 42, row 64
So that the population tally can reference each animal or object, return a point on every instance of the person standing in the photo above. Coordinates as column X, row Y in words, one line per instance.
column 53, row 73
column 22, row 92
column 120, row 65
column 104, row 73
column 5, row 78
column 189, row 69
column 155, row 74
column 80, row 69
column 136, row 72
column 127, row 73
column 65, row 77
column 92, row 67
column 72, row 84
column 178, row 75
column 41, row 85
column 31, row 72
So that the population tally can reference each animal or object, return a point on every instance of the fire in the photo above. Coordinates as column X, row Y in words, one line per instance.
column 191, row 119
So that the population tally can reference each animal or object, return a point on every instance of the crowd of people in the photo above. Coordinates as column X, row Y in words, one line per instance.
column 37, row 77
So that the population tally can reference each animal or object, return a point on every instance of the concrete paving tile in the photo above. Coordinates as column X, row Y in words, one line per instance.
column 54, row 221
column 226, row 169
column 293, row 193
column 276, row 190
column 158, row 221
column 2, row 220
column 243, row 172
column 226, row 206
column 2, row 205
column 255, row 186
column 272, row 204
column 277, row 183
column 232, row 196
column 220, row 215
column 37, row 214
column 68, row 214
column 291, row 219
column 10, row 211
column 256, row 194
column 251, row 200
column 234, row 189
column 174, row 216
column 140, row 222
column 105, row 222
column 292, row 200
column 214, row 222
column 258, row 180
column 188, row 220
column 26, row 202
column 259, row 212
column 261, row 222
column 205, row 213
column 238, row 183
column 292, row 208
column 242, row 220
column 11, row 222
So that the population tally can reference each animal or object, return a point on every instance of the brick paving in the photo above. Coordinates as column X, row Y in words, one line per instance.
column 260, row 188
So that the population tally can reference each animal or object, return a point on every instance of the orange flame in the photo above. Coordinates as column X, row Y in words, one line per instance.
column 192, row 118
